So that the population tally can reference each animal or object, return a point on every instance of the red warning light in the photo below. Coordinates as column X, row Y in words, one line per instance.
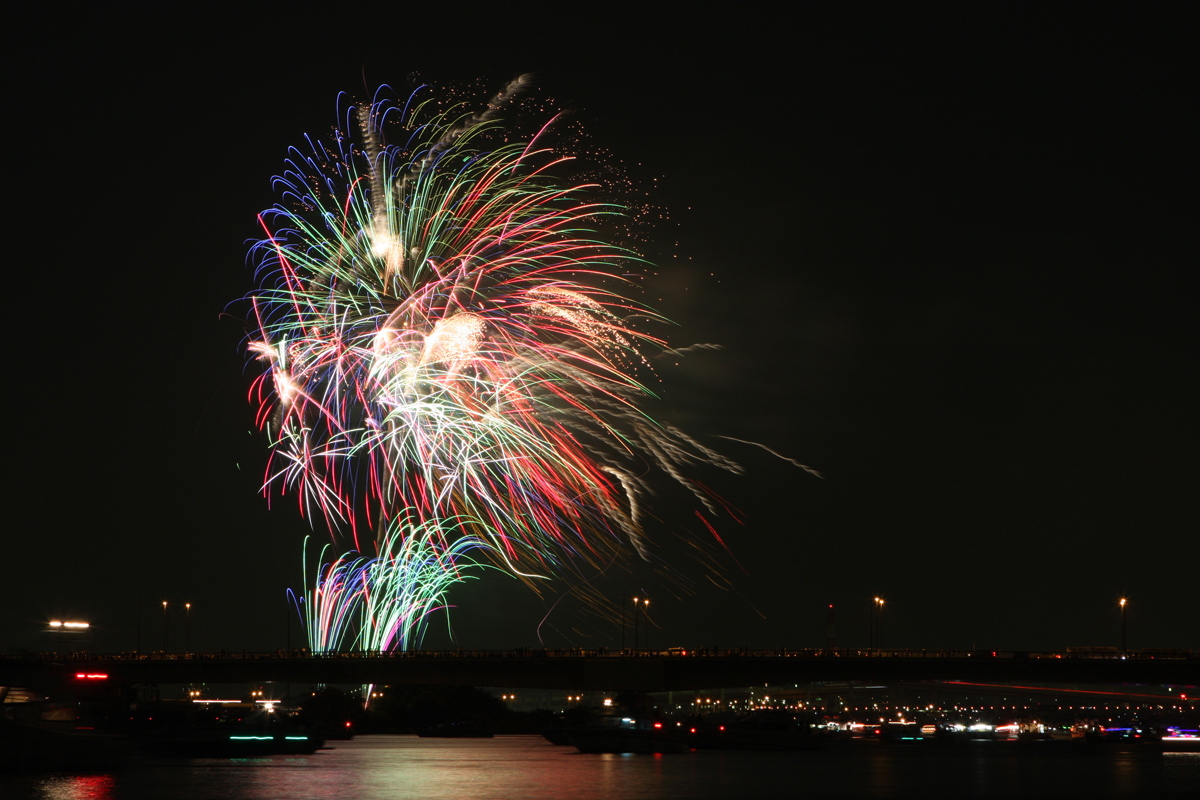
column 90, row 676
column 658, row 724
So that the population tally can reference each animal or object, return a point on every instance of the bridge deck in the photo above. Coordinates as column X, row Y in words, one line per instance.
column 579, row 670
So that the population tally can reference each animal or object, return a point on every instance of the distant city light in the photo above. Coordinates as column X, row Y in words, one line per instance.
column 59, row 624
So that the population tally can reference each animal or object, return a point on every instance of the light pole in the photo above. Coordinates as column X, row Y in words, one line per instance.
column 646, row 611
column 164, row 626
column 635, row 625
column 187, row 628
column 1123, row 627
column 875, row 606
column 877, row 623
column 881, row 623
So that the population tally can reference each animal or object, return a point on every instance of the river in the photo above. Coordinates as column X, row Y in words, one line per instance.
column 527, row 767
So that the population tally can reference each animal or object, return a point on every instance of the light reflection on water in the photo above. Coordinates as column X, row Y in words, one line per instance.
column 512, row 767
column 77, row 787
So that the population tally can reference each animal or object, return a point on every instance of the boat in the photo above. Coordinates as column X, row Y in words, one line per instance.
column 757, row 731
column 1180, row 740
column 219, row 730
column 64, row 744
column 625, row 734
column 559, row 737
column 231, row 744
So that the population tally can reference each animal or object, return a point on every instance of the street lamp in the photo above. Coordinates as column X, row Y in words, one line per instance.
column 881, row 623
column 187, row 629
column 635, row 625
column 877, row 623
column 875, row 605
column 646, row 611
column 644, row 605
column 1123, row 627
column 164, row 626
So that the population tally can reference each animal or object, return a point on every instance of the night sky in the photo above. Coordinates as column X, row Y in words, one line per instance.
column 946, row 254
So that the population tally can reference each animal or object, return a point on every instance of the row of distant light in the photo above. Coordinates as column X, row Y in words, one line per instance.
column 55, row 623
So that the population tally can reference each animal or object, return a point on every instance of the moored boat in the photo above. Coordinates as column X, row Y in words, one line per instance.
column 231, row 744
column 756, row 731
column 622, row 734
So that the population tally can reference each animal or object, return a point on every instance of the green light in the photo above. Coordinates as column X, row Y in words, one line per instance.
column 254, row 738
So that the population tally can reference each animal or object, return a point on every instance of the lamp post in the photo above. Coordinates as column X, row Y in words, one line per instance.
column 876, row 623
column 875, row 606
column 1123, row 650
column 164, row 626
column 635, row 625
column 646, row 611
column 879, row 600
column 187, row 628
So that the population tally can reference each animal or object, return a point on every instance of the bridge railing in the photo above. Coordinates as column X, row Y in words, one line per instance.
column 673, row 653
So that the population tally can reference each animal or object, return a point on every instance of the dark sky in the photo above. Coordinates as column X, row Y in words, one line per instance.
column 946, row 254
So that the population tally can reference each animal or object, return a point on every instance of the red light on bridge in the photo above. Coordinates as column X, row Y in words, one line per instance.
column 90, row 676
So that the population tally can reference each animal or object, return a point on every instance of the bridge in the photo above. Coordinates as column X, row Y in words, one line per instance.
column 603, row 671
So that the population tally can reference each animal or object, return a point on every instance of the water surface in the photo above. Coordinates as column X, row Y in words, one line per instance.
column 520, row 767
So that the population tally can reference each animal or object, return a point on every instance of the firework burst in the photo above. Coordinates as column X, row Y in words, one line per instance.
column 449, row 364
